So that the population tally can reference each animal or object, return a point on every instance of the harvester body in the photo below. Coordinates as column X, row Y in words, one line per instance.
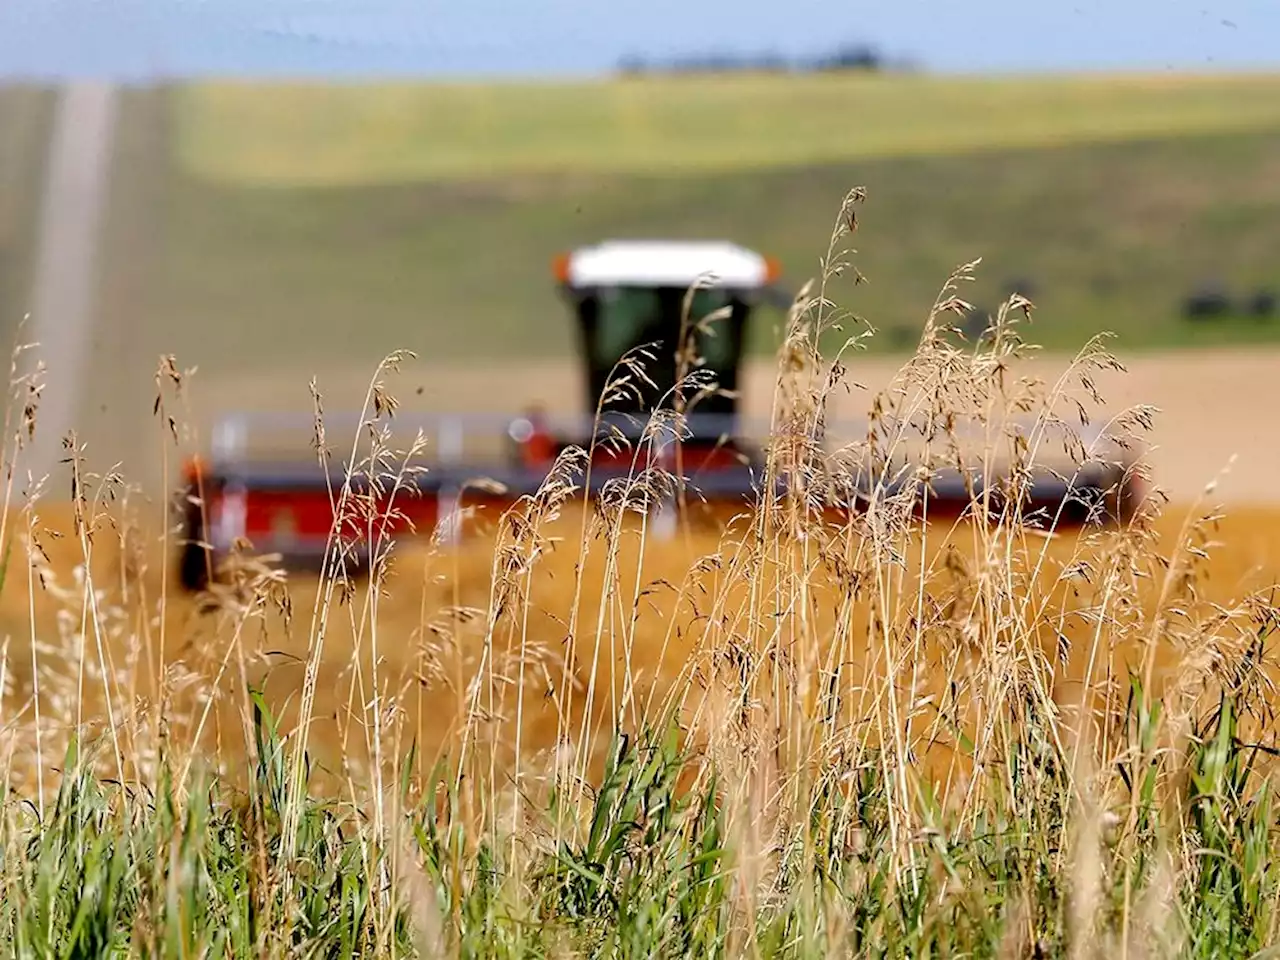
column 680, row 310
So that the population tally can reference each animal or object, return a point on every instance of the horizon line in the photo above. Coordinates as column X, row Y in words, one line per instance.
column 614, row 75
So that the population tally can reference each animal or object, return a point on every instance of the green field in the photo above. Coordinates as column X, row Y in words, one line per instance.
column 276, row 214
column 391, row 208
column 1124, row 228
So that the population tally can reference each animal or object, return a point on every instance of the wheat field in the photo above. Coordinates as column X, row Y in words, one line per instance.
column 429, row 621
column 1242, row 557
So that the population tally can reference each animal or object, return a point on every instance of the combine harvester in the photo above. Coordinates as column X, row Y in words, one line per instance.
column 625, row 295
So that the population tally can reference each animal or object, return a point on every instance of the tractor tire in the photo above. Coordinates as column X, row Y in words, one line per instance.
column 193, row 567
column 195, row 560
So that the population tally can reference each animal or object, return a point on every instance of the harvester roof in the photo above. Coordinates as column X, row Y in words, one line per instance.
column 666, row 263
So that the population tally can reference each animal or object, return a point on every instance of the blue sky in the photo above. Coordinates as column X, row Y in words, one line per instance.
column 139, row 39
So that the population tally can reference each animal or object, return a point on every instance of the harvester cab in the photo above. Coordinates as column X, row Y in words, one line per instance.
column 662, row 325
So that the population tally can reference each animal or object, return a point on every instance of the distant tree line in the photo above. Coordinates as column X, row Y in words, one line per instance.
column 847, row 57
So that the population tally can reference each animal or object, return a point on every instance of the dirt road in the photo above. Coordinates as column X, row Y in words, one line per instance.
column 65, row 286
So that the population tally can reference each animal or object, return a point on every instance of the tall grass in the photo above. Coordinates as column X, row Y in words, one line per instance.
column 880, row 737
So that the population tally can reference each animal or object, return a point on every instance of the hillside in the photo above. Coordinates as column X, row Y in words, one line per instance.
column 1107, row 198
column 287, row 213
column 1109, row 235
column 262, row 233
